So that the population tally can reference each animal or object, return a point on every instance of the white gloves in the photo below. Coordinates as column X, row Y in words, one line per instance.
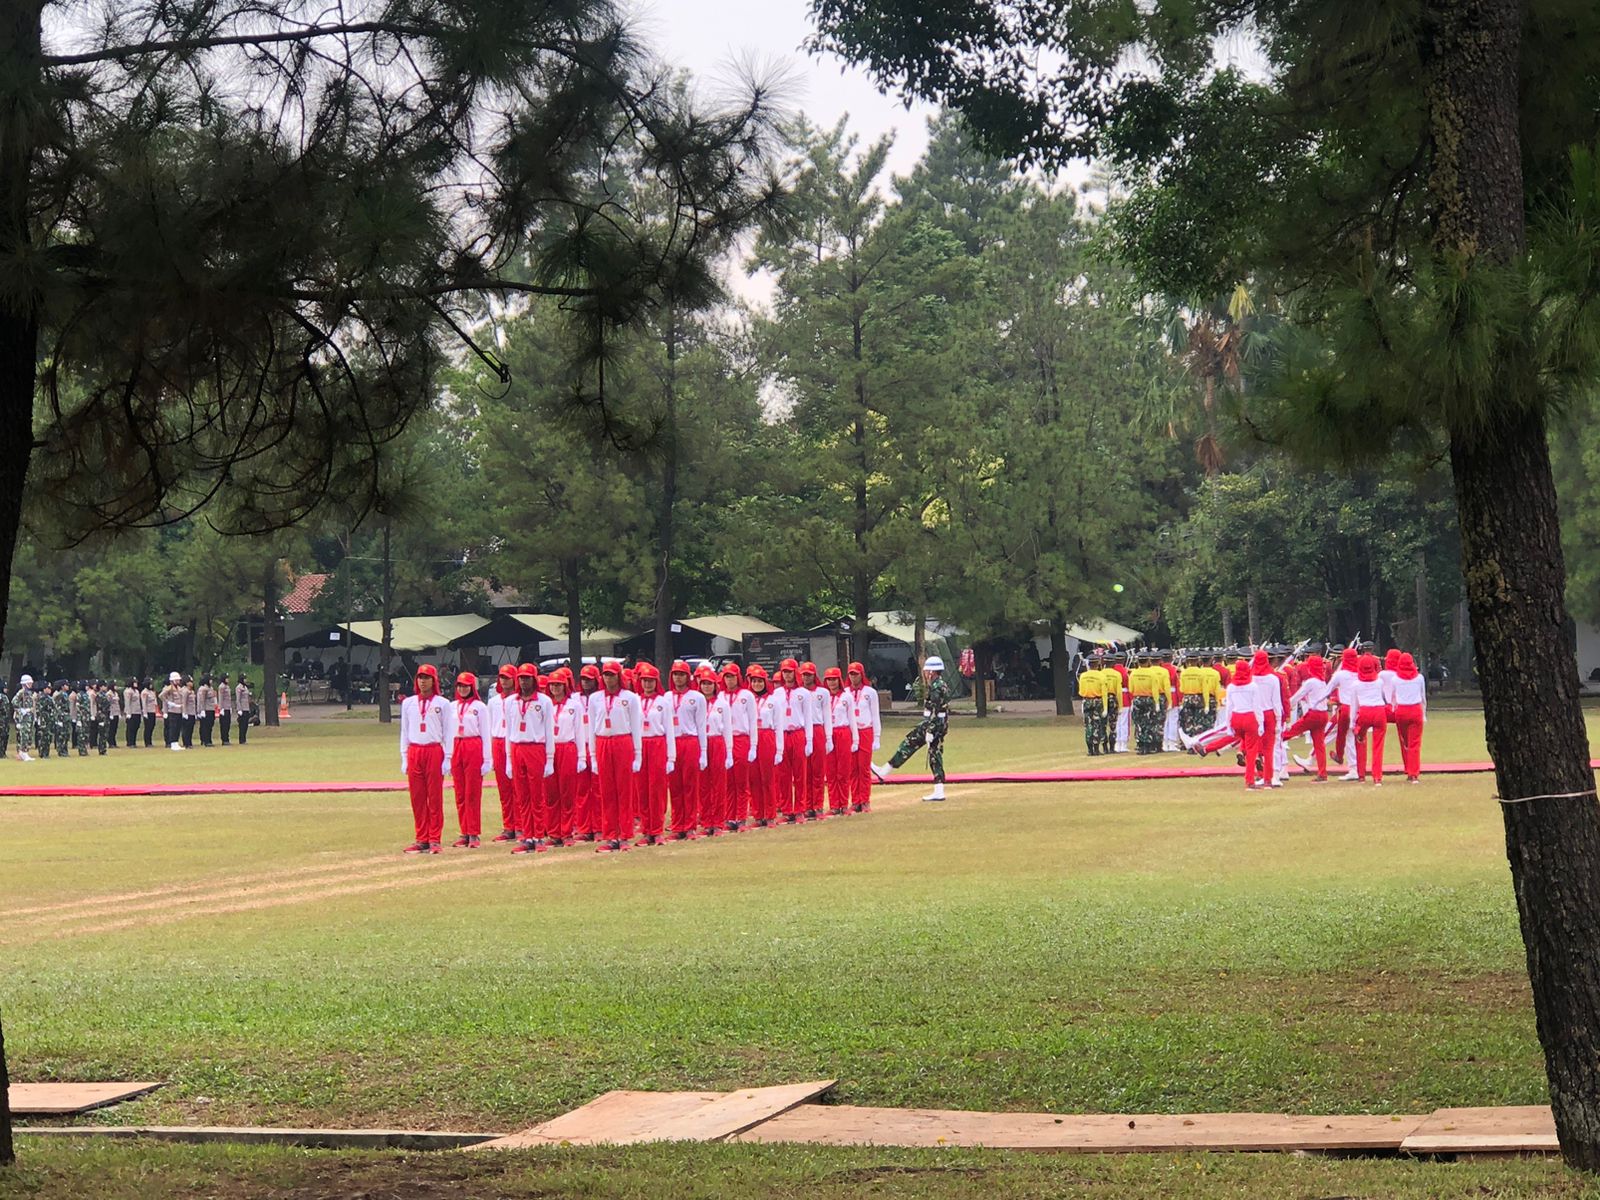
column 549, row 769
column 671, row 762
column 638, row 762
column 703, row 760
column 751, row 757
column 728, row 765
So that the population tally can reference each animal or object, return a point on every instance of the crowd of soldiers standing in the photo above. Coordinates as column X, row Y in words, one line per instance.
column 89, row 714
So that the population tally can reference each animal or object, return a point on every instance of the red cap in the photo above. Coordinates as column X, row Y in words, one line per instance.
column 563, row 676
column 610, row 668
column 1241, row 673
column 647, row 670
column 1407, row 668
column 431, row 671
column 756, row 671
column 1347, row 658
column 468, row 678
column 857, row 669
column 832, row 675
column 732, row 678
column 809, row 668
column 528, row 671
column 590, row 671
column 1391, row 658
column 1316, row 666
column 1260, row 663
column 788, row 664
column 1367, row 668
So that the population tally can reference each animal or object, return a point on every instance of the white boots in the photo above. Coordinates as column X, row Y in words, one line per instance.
column 882, row 772
column 937, row 793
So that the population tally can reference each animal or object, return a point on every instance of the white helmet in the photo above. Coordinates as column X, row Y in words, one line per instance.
column 934, row 663
column 27, row 681
column 174, row 678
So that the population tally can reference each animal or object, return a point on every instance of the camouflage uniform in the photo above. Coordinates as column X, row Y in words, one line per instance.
column 99, row 717
column 1193, row 717
column 25, row 713
column 1147, row 717
column 79, row 702
column 5, row 722
column 930, row 730
column 44, row 721
column 1094, row 724
column 63, row 720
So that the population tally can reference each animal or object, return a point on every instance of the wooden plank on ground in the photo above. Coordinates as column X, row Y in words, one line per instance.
column 69, row 1099
column 1513, row 1130
column 614, row 1117
column 734, row 1112
column 845, row 1125
column 316, row 1139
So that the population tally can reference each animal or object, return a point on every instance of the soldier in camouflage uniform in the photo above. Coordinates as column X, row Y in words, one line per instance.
column 929, row 731
column 63, row 719
column 25, row 713
column 105, row 730
column 1092, row 684
column 44, row 720
column 80, row 717
column 5, row 721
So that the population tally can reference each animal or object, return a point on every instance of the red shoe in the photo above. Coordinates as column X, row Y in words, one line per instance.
column 528, row 846
column 649, row 839
column 474, row 842
column 461, row 843
column 505, row 835
column 419, row 848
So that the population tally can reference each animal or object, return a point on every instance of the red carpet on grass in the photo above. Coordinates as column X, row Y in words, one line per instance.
column 1122, row 774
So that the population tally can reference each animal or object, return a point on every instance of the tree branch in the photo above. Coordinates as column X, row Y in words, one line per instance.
column 305, row 34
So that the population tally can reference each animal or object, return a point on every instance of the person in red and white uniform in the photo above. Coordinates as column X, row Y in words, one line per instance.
column 571, row 756
column 869, row 734
column 1239, row 723
column 1409, row 696
column 794, row 703
column 616, row 723
column 767, row 779
column 660, row 755
column 717, row 778
column 844, row 740
column 1309, row 706
column 820, row 778
column 530, row 741
column 1273, row 699
column 689, row 719
column 1373, row 700
column 586, row 808
column 742, row 725
column 1343, row 685
column 470, row 760
column 427, row 740
column 505, row 686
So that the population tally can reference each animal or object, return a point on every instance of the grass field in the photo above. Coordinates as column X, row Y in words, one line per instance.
column 1094, row 947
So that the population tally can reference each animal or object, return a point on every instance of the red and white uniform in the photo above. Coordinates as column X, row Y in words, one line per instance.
column 869, row 731
column 427, row 739
column 1409, row 696
column 571, row 749
column 1309, row 705
column 796, row 727
column 660, row 760
column 742, row 731
column 1343, row 684
column 470, row 761
column 821, row 744
column 1243, row 717
column 844, row 741
column 497, row 753
column 616, row 725
column 530, row 744
column 716, row 781
column 1372, row 701
column 767, row 780
column 690, row 719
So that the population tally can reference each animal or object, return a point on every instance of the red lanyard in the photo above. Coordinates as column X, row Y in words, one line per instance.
column 461, row 716
column 611, row 701
column 522, row 711
column 424, row 704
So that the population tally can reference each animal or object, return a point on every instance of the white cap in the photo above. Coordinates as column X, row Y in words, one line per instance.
column 934, row 663
column 27, row 681
column 174, row 677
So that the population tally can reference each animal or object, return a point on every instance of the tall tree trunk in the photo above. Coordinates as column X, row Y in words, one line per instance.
column 1515, row 576
column 271, row 644
column 1422, row 639
column 571, row 581
column 1060, row 669
column 919, row 637
column 665, row 516
column 386, row 639
column 981, row 660
column 1227, row 626
column 1252, row 617
column 1372, row 607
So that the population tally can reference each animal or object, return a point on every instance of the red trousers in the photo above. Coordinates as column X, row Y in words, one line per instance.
column 1269, row 745
column 561, row 791
column 861, row 787
column 425, row 778
column 466, row 770
column 651, row 787
column 613, row 754
column 765, row 777
column 1246, row 729
column 1314, row 722
column 1374, row 718
column 792, row 773
column 1347, row 717
column 841, row 772
column 715, row 784
column 739, row 779
column 1408, row 721
column 586, row 809
column 504, row 784
column 819, row 776
column 686, row 785
column 527, row 771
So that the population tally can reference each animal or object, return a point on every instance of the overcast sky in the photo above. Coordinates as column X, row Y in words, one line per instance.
column 708, row 36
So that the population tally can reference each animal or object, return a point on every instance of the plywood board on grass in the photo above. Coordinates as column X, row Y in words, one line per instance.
column 623, row 1118
column 69, row 1099
column 845, row 1125
column 1511, row 1130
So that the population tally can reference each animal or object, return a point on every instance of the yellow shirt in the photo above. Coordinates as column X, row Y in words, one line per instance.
column 1213, row 686
column 1091, row 685
column 1192, row 681
column 1112, row 680
column 1142, row 682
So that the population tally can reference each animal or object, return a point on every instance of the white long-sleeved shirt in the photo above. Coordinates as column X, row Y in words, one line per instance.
column 657, row 711
column 426, row 725
column 742, row 712
column 1312, row 693
column 842, row 716
column 224, row 697
column 1411, row 691
column 616, row 714
column 1271, row 688
column 133, row 702
column 1343, row 683
column 572, row 725
column 690, row 716
column 497, row 715
column 1371, row 693
column 719, row 726
column 794, row 711
column 867, row 715
column 821, row 714
column 1243, row 700
column 769, row 715
column 531, row 720
column 472, row 724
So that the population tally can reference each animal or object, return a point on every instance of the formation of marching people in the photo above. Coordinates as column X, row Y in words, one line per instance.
column 619, row 757
column 91, row 714
column 1342, row 699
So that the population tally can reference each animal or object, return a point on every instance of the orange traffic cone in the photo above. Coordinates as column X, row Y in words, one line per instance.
column 283, row 707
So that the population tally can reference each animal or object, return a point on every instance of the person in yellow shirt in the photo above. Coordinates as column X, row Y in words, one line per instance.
column 1092, row 686
column 1195, row 688
column 1147, row 684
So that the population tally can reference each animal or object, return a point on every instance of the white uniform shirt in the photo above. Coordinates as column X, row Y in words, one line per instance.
column 1271, row 689
column 432, row 724
column 616, row 715
column 867, row 716
column 1411, row 691
column 719, row 726
column 1241, row 700
column 531, row 719
column 497, row 715
column 133, row 702
column 842, row 715
column 571, row 726
column 742, row 714
column 1371, row 693
column 1343, row 683
column 1311, row 694
column 472, row 721
column 794, row 711
column 769, row 715
column 821, row 710
column 689, row 716
column 657, row 711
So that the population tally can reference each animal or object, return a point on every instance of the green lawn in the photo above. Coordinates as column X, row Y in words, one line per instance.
column 1093, row 947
